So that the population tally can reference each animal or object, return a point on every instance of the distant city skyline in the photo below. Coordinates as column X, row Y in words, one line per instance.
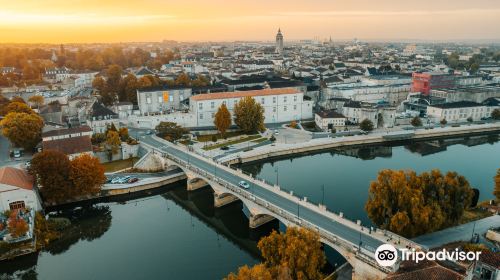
column 77, row 21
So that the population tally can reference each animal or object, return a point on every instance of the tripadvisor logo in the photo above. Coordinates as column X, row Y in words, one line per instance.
column 387, row 255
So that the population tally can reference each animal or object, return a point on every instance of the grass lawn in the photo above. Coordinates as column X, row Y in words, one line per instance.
column 119, row 164
column 248, row 138
column 207, row 138
column 259, row 140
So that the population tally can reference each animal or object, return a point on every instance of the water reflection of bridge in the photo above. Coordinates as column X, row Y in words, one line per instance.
column 228, row 221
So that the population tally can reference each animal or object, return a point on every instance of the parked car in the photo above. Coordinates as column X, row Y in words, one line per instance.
column 115, row 180
column 108, row 180
column 124, row 179
column 276, row 132
column 133, row 180
column 244, row 185
column 17, row 154
column 224, row 148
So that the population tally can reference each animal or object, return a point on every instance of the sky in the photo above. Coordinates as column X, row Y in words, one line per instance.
column 107, row 21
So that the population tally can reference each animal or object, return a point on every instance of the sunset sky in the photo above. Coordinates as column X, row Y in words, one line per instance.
column 54, row 21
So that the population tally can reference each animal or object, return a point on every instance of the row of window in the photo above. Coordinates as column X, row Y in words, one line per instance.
column 285, row 108
column 262, row 101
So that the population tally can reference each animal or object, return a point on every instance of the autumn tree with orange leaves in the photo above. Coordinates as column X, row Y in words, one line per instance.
column 296, row 254
column 410, row 204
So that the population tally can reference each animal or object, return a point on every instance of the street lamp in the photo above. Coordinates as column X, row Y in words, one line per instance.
column 323, row 194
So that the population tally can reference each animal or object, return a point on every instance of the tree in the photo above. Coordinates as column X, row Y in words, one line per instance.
column 18, row 107
column 123, row 132
column 87, row 175
column 469, row 119
column 16, row 225
column 259, row 271
column 443, row 122
column 299, row 250
column 249, row 115
column 113, row 141
column 416, row 122
column 411, row 204
column 496, row 191
column 222, row 119
column 366, row 125
column 52, row 168
column 99, row 83
column 36, row 100
column 22, row 129
column 170, row 131
column 495, row 114
column 183, row 80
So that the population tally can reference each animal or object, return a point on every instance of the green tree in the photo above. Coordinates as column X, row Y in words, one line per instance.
column 170, row 131
column 443, row 122
column 22, row 129
column 469, row 119
column 249, row 115
column 366, row 125
column 496, row 191
column 416, row 122
column 495, row 114
column 222, row 119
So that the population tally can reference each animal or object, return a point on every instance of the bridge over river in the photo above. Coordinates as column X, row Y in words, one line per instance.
column 355, row 242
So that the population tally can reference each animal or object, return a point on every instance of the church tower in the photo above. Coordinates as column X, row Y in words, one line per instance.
column 279, row 42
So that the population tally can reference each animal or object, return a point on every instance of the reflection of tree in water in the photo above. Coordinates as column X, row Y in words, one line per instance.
column 492, row 139
column 254, row 168
column 87, row 223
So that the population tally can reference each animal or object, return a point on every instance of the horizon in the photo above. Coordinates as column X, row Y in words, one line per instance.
column 95, row 22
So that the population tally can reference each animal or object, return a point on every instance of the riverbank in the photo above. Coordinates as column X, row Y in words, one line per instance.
column 380, row 138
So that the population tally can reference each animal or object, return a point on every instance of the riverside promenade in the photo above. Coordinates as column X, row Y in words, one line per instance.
column 315, row 145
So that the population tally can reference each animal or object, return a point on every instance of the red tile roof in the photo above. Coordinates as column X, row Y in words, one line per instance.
column 490, row 258
column 72, row 145
column 16, row 177
column 238, row 94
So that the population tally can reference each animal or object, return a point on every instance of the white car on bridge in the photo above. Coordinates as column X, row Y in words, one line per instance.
column 244, row 185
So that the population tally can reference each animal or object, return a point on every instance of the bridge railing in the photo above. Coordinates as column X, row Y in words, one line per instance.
column 360, row 252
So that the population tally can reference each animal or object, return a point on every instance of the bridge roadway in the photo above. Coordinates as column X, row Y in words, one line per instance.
column 351, row 233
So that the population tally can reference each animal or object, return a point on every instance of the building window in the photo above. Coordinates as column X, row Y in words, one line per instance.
column 160, row 99
column 284, row 108
column 262, row 101
column 295, row 98
column 212, row 104
column 284, row 99
column 274, row 109
column 213, row 115
column 274, row 99
column 201, row 116
column 16, row 205
column 295, row 107
column 200, row 105
column 148, row 100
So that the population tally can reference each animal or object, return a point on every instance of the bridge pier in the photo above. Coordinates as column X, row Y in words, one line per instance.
column 255, row 221
column 222, row 199
column 196, row 183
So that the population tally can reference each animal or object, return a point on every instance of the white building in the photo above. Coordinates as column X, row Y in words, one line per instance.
column 16, row 190
column 459, row 111
column 327, row 120
column 381, row 116
column 161, row 99
column 280, row 105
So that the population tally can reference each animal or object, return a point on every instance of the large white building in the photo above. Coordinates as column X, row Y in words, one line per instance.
column 159, row 100
column 459, row 111
column 280, row 105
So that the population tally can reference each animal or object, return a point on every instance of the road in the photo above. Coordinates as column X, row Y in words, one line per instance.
column 345, row 232
column 458, row 233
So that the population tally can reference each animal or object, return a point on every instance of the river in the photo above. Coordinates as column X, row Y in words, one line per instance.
column 176, row 234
